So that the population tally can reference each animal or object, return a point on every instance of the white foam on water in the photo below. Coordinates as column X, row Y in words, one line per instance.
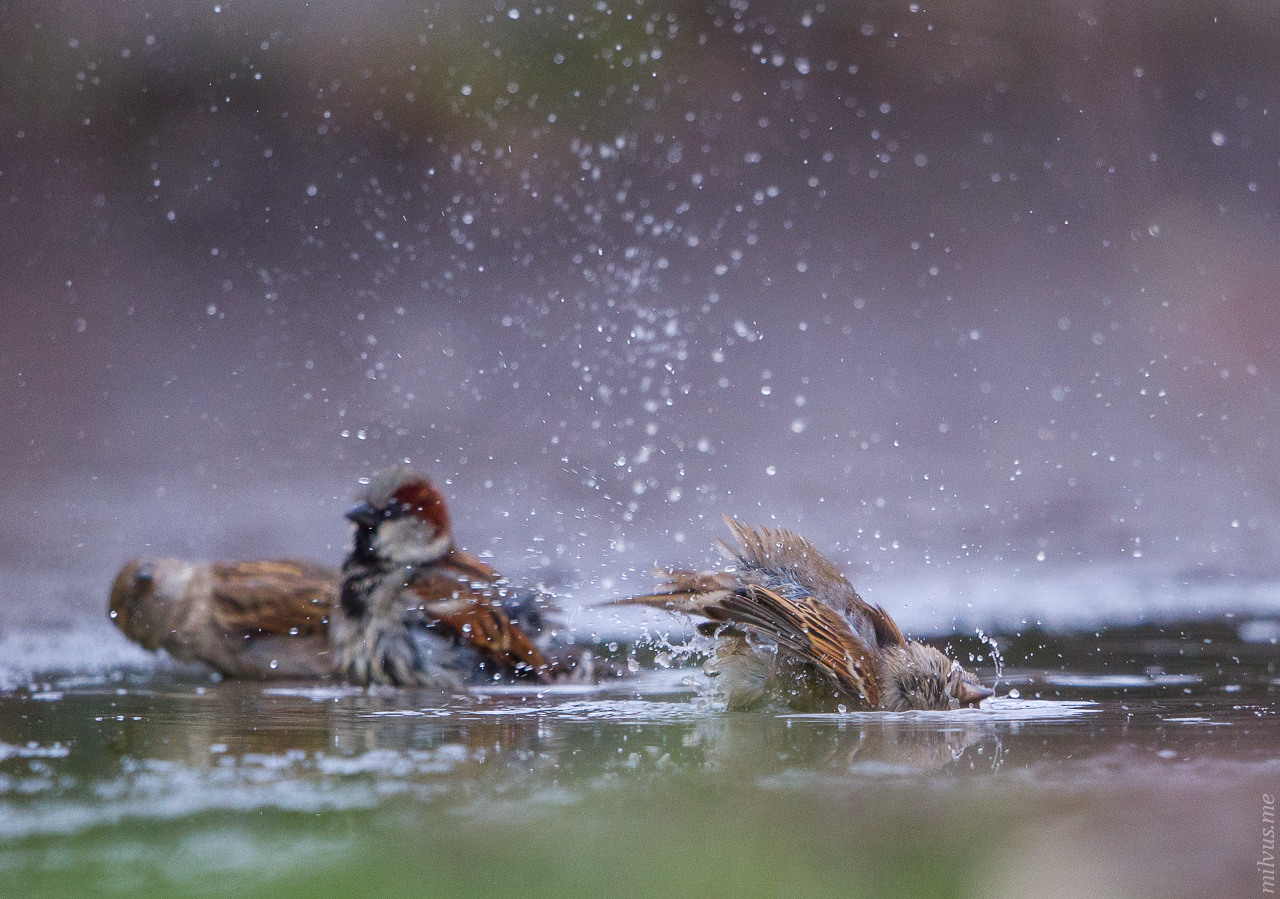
column 995, row 710
column 167, row 791
column 1197, row 720
column 28, row 657
column 33, row 751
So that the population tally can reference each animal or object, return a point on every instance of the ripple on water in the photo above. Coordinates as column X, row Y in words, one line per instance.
column 628, row 711
column 1120, row 681
column 317, row 694
column 646, row 683
column 992, row 711
column 163, row 789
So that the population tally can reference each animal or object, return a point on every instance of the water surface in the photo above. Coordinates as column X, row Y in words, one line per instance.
column 1134, row 766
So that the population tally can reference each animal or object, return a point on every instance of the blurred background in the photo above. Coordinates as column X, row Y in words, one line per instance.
column 982, row 298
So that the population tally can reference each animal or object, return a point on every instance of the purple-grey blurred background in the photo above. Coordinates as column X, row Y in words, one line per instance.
column 982, row 298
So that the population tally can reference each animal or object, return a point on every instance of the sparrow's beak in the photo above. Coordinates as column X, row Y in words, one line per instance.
column 968, row 694
column 365, row 515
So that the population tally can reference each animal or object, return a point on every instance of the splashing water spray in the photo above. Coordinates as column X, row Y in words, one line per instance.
column 678, row 655
column 995, row 652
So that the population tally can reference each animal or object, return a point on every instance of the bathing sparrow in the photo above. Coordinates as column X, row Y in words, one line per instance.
column 260, row 619
column 464, row 625
column 791, row 628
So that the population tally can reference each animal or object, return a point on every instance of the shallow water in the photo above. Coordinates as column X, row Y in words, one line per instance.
column 1134, row 766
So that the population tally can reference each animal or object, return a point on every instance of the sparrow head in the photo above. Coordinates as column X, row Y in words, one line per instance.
column 148, row 598
column 402, row 519
column 915, row 676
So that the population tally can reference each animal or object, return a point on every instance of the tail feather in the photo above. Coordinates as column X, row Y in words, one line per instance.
column 696, row 593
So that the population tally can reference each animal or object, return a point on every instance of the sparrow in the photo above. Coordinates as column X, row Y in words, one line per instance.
column 791, row 628
column 260, row 619
column 464, row 624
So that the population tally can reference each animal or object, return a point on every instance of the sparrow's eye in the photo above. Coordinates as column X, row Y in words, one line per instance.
column 396, row 509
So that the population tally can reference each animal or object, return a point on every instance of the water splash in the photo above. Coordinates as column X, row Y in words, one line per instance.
column 995, row 651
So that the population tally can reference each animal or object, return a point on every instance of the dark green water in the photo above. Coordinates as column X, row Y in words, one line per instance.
column 1130, row 764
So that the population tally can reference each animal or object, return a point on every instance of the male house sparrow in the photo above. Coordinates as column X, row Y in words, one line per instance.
column 465, row 624
column 791, row 627
column 260, row 619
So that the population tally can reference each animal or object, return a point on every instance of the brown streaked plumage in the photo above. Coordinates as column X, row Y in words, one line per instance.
column 260, row 619
column 466, row 624
column 792, row 627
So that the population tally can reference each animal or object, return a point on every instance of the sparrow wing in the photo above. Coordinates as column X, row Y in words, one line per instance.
column 278, row 596
column 887, row 631
column 468, row 566
column 461, row 595
column 812, row 630
column 808, row 627
column 781, row 557
column 774, row 549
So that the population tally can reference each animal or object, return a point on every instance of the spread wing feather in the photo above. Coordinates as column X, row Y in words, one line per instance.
column 777, row 551
column 778, row 548
column 812, row 630
column 475, row 620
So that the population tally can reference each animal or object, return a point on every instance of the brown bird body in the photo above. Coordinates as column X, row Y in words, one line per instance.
column 791, row 627
column 260, row 619
column 466, row 623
